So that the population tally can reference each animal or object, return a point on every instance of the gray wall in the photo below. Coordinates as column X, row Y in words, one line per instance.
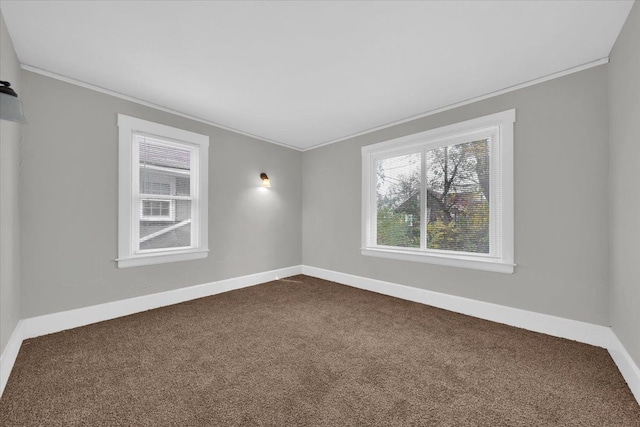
column 9, row 200
column 69, row 203
column 561, row 211
column 624, row 116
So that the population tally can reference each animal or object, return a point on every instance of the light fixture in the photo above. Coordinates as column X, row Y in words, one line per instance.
column 265, row 180
column 10, row 105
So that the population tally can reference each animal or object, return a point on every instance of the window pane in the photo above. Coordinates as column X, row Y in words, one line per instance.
column 176, row 233
column 148, row 185
column 458, row 197
column 398, row 201
column 156, row 154
column 183, row 186
column 163, row 169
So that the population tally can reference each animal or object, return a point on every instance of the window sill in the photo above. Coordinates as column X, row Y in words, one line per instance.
column 162, row 258
column 475, row 263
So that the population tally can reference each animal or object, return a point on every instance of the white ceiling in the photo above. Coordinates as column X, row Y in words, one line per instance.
column 307, row 73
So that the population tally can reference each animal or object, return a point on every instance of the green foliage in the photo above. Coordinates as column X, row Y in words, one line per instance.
column 398, row 229
column 442, row 235
column 468, row 233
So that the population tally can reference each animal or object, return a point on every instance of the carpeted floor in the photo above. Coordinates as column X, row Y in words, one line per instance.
column 304, row 351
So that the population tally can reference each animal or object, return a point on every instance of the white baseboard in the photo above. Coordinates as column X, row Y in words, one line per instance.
column 50, row 323
column 56, row 322
column 628, row 368
column 551, row 325
column 588, row 333
column 9, row 355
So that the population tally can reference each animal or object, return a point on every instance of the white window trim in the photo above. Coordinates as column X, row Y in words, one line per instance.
column 502, row 257
column 128, row 255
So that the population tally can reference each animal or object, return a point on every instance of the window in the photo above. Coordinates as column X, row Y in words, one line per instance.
column 444, row 196
column 162, row 193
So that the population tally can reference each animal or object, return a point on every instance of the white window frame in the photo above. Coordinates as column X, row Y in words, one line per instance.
column 129, row 200
column 498, row 127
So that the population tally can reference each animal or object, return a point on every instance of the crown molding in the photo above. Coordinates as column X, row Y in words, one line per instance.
column 543, row 79
column 148, row 104
column 523, row 85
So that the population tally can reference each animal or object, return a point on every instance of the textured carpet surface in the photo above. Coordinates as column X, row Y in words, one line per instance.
column 304, row 351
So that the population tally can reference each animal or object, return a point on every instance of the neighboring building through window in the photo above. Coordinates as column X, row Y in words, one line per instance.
column 444, row 196
column 157, row 210
column 163, row 193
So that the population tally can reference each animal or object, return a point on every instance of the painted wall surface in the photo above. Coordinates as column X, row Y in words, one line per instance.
column 561, row 208
column 69, row 203
column 9, row 198
column 624, row 116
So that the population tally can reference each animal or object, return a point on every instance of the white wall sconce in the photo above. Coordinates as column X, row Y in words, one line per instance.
column 10, row 105
column 265, row 180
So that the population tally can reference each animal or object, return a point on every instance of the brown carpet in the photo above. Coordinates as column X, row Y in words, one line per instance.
column 304, row 351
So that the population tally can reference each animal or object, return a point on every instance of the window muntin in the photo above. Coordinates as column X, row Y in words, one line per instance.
column 163, row 196
column 439, row 196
